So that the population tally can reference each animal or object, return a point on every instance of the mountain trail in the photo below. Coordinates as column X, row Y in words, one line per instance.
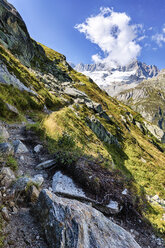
column 23, row 230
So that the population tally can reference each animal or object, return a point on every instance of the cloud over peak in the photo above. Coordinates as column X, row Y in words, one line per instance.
column 115, row 36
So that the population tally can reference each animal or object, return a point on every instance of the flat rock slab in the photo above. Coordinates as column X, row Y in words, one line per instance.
column 74, row 92
column 71, row 224
column 64, row 185
column 46, row 164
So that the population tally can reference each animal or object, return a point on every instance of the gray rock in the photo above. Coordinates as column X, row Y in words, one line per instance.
column 125, row 192
column 64, row 185
column 155, row 130
column 24, row 182
column 102, row 133
column 21, row 184
column 75, row 93
column 12, row 108
column 114, row 207
column 38, row 180
column 38, row 148
column 45, row 165
column 97, row 107
column 143, row 160
column 70, row 223
column 104, row 115
column 7, row 177
column 4, row 133
column 7, row 78
column 34, row 193
column 5, row 214
column 6, row 148
column 19, row 147
column 14, row 34
column 45, row 110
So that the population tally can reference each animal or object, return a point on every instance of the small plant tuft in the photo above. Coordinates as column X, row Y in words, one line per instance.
column 12, row 163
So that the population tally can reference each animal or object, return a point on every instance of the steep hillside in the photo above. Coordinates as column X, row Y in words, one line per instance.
column 148, row 98
column 104, row 146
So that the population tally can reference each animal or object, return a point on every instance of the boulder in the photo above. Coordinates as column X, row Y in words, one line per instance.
column 97, row 107
column 114, row 207
column 7, row 177
column 70, row 223
column 19, row 147
column 74, row 93
column 155, row 130
column 102, row 133
column 5, row 214
column 38, row 148
column 38, row 180
column 64, row 185
column 45, row 165
column 4, row 133
column 6, row 148
column 12, row 109
column 23, row 183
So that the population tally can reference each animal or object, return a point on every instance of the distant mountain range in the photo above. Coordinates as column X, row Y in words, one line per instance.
column 115, row 80
column 148, row 98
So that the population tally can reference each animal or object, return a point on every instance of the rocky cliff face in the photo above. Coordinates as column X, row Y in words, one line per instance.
column 148, row 98
column 14, row 34
column 115, row 80
column 64, row 128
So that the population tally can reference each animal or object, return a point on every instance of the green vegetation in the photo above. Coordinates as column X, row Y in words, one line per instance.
column 68, row 135
column 12, row 163
column 23, row 100
column 138, row 157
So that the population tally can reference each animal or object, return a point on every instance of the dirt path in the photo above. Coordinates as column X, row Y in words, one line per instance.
column 22, row 231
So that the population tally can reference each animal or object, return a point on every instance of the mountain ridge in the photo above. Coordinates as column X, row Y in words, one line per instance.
column 114, row 80
column 148, row 98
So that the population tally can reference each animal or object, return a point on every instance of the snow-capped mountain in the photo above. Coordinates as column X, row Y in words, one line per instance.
column 115, row 80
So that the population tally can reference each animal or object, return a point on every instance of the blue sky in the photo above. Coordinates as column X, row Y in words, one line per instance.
column 132, row 29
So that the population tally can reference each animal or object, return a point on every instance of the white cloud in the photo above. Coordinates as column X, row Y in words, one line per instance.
column 142, row 38
column 114, row 34
column 159, row 38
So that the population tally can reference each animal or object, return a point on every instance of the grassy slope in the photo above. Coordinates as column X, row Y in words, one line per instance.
column 145, row 177
column 23, row 100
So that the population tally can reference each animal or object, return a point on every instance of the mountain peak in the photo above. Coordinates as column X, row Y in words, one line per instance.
column 114, row 80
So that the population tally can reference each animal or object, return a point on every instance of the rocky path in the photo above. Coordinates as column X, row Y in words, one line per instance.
column 22, row 229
